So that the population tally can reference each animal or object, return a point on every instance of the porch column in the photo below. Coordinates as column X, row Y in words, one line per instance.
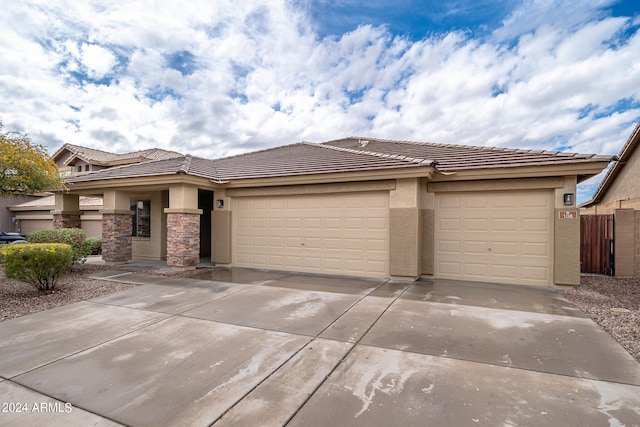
column 183, row 227
column 67, row 211
column 116, row 227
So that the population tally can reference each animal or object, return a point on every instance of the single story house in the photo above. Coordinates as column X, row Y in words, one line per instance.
column 354, row 206
column 619, row 195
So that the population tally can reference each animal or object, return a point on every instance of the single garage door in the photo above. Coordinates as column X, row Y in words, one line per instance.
column 502, row 237
column 30, row 225
column 343, row 234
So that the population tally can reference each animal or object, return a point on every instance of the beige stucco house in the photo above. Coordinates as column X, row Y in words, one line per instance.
column 354, row 206
column 619, row 195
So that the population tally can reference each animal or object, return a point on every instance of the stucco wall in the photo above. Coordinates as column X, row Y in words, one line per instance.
column 155, row 246
column 566, row 265
column 5, row 214
column 625, row 186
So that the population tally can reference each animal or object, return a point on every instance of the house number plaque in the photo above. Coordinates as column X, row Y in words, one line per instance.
column 568, row 215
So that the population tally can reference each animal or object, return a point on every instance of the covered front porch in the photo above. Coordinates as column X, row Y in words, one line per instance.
column 173, row 223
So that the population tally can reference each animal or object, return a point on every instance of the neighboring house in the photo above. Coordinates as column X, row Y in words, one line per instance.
column 74, row 159
column 36, row 214
column 8, row 221
column 33, row 213
column 619, row 195
column 354, row 206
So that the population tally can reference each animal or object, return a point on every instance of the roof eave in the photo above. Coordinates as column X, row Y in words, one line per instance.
column 626, row 152
column 127, row 183
column 368, row 175
column 582, row 171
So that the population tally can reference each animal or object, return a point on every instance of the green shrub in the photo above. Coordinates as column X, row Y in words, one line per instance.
column 39, row 264
column 93, row 245
column 74, row 237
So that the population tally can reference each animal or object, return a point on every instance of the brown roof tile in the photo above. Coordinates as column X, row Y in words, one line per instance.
column 344, row 155
column 91, row 155
column 451, row 157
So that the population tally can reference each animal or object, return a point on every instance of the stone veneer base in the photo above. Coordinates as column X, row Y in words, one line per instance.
column 116, row 238
column 67, row 221
column 183, row 240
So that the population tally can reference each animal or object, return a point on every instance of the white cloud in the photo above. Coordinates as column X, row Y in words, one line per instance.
column 97, row 60
column 533, row 14
column 256, row 75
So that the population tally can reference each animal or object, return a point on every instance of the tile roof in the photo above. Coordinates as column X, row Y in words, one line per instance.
column 290, row 160
column 91, row 155
column 452, row 157
column 307, row 158
column 344, row 155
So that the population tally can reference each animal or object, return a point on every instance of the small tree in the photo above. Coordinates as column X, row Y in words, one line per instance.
column 25, row 167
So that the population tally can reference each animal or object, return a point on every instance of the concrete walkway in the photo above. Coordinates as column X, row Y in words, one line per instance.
column 245, row 347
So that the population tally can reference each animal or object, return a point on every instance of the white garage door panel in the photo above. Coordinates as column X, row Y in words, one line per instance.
column 337, row 234
column 495, row 236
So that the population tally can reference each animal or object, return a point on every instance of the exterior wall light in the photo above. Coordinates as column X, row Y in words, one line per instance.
column 220, row 203
column 568, row 199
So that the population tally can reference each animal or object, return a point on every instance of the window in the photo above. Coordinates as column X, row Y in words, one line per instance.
column 141, row 218
column 80, row 168
column 86, row 168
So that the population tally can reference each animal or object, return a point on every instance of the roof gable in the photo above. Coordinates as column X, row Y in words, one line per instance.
column 628, row 150
column 70, row 152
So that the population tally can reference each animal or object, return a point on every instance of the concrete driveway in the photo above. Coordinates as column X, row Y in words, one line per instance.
column 244, row 347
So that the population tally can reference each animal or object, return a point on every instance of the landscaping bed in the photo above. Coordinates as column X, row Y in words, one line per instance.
column 19, row 299
column 614, row 304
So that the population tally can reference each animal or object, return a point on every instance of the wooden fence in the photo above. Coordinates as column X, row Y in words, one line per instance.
column 596, row 244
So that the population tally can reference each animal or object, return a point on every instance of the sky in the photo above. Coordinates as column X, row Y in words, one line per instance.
column 214, row 78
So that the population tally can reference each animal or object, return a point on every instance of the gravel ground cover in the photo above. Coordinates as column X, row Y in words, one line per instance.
column 613, row 303
column 19, row 299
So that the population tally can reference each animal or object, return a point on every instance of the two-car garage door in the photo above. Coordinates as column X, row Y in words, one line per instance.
column 344, row 234
column 494, row 236
column 498, row 236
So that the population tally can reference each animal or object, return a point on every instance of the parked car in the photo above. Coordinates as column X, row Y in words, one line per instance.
column 6, row 238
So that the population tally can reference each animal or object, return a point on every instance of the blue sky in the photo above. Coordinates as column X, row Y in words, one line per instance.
column 216, row 78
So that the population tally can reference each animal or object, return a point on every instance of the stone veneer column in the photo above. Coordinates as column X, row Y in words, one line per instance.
column 183, row 239
column 67, row 211
column 66, row 220
column 117, row 221
column 116, row 237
